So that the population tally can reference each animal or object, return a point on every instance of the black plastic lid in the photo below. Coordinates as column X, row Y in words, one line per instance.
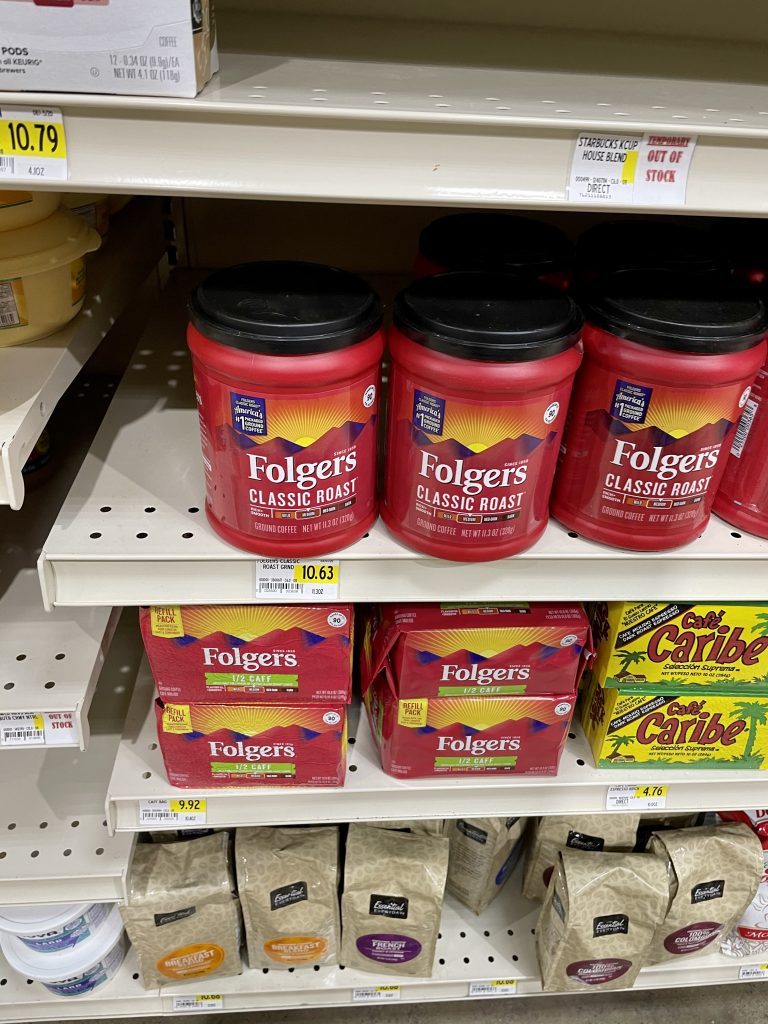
column 496, row 242
column 496, row 318
column 285, row 308
column 646, row 245
column 696, row 314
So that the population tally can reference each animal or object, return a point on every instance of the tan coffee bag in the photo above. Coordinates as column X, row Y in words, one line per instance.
column 427, row 827
column 714, row 872
column 289, row 887
column 588, row 832
column 182, row 915
column 392, row 902
column 598, row 919
column 483, row 855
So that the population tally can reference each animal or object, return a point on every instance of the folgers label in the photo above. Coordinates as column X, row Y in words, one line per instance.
column 444, row 736
column 669, row 364
column 644, row 646
column 286, row 359
column 482, row 371
column 743, row 496
column 456, row 650
column 229, row 653
column 207, row 745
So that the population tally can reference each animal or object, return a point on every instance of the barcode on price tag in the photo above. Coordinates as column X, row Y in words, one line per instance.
column 33, row 146
column 503, row 987
column 376, row 994
column 753, row 972
column 192, row 1004
column 636, row 798
column 185, row 811
column 38, row 729
column 296, row 579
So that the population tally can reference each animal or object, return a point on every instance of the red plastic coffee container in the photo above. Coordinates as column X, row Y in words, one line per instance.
column 669, row 362
column 482, row 369
column 495, row 242
column 286, row 359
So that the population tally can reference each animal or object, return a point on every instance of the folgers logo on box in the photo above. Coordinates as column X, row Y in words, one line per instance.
column 438, row 736
column 227, row 653
column 250, row 744
column 454, row 650
column 722, row 647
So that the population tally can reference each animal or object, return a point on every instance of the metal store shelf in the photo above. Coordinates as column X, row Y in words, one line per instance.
column 49, row 663
column 497, row 945
column 369, row 792
column 380, row 131
column 132, row 530
column 34, row 377
column 54, row 843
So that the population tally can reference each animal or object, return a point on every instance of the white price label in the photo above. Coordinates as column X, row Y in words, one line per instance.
column 631, row 170
column 636, row 798
column 192, row 1004
column 37, row 729
column 503, row 987
column 185, row 811
column 376, row 994
column 297, row 579
column 33, row 146
column 753, row 972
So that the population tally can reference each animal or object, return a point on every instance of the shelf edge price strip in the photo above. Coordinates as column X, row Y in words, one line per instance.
column 753, row 972
column 376, row 994
column 485, row 989
column 33, row 145
column 297, row 579
column 636, row 798
column 184, row 811
column 197, row 1004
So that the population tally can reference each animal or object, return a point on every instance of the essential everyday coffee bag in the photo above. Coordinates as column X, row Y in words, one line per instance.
column 598, row 919
column 714, row 872
column 393, row 899
column 182, row 915
column 289, row 888
column 483, row 855
column 425, row 827
column 591, row 833
column 659, row 821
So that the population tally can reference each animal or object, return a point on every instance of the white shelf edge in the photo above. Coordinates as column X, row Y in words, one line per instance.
column 139, row 774
column 33, row 377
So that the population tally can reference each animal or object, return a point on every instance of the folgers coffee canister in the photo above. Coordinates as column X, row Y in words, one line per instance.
column 668, row 368
column 482, row 368
column 495, row 242
column 743, row 496
column 286, row 359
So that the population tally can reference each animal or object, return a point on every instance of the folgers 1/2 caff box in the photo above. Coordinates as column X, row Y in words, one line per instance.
column 236, row 653
column 443, row 736
column 205, row 745
column 454, row 650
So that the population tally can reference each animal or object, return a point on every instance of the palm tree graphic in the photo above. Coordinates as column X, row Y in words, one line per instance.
column 761, row 624
column 617, row 742
column 755, row 714
column 629, row 658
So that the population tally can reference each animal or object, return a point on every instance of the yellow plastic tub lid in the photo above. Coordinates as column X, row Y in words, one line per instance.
column 57, row 240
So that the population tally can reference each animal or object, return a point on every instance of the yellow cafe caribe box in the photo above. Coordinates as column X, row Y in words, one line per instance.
column 678, row 684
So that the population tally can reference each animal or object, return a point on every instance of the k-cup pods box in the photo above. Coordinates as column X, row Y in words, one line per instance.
column 235, row 653
column 648, row 647
column 696, row 728
column 467, row 650
column 127, row 47
column 443, row 736
column 207, row 745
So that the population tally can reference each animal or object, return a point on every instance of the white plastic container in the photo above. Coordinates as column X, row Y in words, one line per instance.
column 51, row 928
column 93, row 206
column 20, row 208
column 75, row 971
column 42, row 276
